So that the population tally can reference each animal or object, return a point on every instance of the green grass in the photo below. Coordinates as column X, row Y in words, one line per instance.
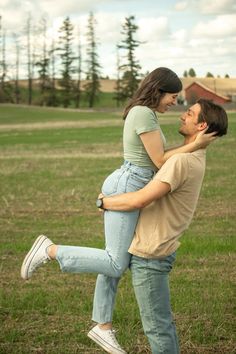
column 49, row 180
column 59, row 137
column 14, row 114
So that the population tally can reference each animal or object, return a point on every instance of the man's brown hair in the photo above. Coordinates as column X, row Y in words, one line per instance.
column 214, row 115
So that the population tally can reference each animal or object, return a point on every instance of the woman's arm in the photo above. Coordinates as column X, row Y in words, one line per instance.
column 153, row 144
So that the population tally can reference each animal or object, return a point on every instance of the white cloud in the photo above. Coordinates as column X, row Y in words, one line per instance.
column 180, row 36
column 199, row 53
column 181, row 5
column 151, row 29
column 109, row 27
column 187, row 39
column 207, row 7
column 64, row 8
column 219, row 27
column 217, row 6
column 37, row 8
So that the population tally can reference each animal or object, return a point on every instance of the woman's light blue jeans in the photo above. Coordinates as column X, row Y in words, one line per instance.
column 150, row 279
column 119, row 230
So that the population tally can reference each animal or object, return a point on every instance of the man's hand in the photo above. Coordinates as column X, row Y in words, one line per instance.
column 203, row 140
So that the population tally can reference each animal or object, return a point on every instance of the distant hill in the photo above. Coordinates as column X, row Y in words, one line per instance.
column 221, row 86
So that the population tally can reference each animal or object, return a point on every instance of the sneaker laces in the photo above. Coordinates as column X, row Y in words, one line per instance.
column 113, row 338
column 37, row 264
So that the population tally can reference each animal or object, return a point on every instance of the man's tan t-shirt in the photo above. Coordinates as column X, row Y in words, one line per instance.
column 162, row 222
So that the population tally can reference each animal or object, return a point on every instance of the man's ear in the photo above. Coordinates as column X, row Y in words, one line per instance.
column 202, row 126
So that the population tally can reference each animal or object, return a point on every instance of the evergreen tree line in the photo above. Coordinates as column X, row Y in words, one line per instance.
column 58, row 70
column 191, row 73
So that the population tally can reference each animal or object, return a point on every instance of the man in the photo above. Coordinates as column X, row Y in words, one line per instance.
column 168, row 204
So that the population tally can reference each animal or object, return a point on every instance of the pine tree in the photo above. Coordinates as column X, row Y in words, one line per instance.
column 2, row 56
column 2, row 62
column 29, row 59
column 130, row 69
column 92, row 88
column 208, row 74
column 43, row 67
column 118, row 92
column 192, row 73
column 17, row 66
column 67, row 58
column 5, row 85
column 79, row 72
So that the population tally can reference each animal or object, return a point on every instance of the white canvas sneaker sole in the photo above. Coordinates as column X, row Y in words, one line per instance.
column 29, row 258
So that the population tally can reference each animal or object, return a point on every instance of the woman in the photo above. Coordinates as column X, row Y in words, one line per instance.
column 144, row 154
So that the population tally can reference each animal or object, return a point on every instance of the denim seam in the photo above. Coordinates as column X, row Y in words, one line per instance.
column 157, row 330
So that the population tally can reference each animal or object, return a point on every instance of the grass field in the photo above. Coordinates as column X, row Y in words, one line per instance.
column 52, row 164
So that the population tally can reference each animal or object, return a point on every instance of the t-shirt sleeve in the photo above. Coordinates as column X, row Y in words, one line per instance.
column 145, row 120
column 174, row 171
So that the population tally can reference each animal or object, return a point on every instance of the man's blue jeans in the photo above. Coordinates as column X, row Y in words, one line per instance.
column 151, row 286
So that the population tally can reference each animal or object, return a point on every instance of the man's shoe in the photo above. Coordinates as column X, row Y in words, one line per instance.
column 36, row 256
column 106, row 339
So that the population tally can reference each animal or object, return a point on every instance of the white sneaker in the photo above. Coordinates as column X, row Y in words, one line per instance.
column 36, row 256
column 106, row 339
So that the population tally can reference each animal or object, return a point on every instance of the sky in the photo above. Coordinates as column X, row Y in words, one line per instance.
column 178, row 34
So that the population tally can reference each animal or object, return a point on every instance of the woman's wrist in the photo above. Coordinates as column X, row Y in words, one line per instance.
column 196, row 145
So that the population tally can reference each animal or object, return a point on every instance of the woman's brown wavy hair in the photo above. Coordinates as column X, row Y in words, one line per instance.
column 153, row 88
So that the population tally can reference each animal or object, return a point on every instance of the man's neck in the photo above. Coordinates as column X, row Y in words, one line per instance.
column 189, row 139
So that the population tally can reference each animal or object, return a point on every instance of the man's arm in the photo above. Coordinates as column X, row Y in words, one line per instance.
column 137, row 200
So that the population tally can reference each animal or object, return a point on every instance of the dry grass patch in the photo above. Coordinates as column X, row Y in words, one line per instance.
column 61, row 125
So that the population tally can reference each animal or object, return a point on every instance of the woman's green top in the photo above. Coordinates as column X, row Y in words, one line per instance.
column 140, row 119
